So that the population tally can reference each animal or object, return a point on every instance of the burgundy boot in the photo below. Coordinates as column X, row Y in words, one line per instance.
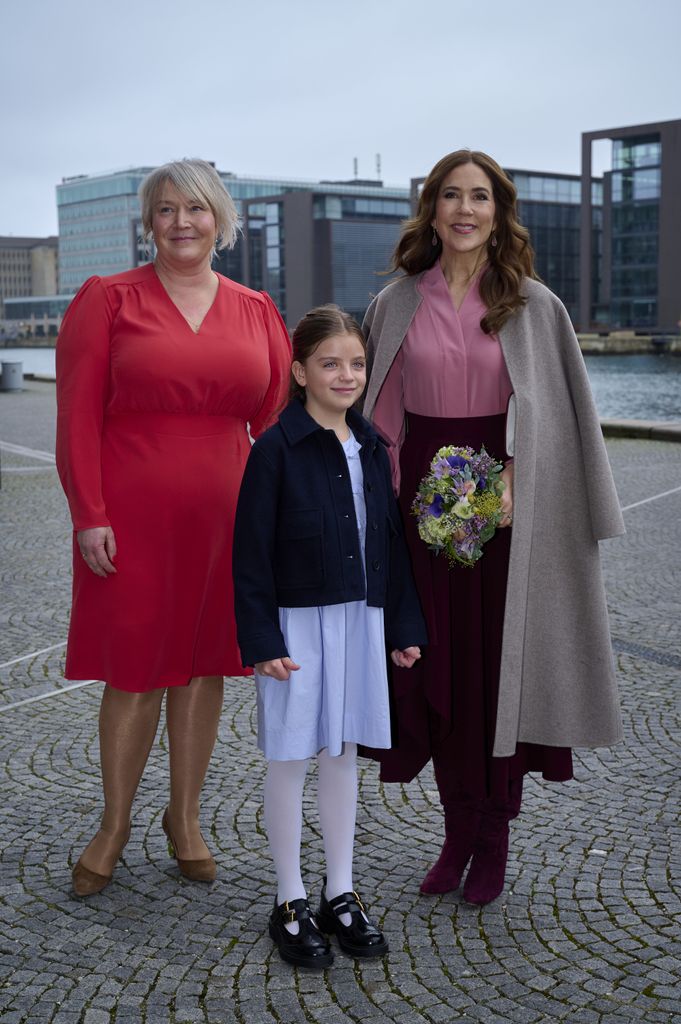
column 485, row 879
column 462, row 821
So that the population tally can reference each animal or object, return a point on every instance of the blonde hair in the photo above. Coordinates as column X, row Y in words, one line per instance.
column 193, row 179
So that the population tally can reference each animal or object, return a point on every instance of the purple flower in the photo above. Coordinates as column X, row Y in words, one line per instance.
column 457, row 461
column 436, row 507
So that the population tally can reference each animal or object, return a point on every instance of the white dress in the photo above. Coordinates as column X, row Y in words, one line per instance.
column 340, row 692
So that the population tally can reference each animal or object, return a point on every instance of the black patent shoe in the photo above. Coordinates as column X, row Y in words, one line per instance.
column 309, row 948
column 360, row 938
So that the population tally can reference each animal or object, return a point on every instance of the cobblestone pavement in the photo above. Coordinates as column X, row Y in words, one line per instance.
column 586, row 932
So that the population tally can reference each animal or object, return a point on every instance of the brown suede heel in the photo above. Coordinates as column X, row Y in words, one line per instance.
column 86, row 882
column 203, row 870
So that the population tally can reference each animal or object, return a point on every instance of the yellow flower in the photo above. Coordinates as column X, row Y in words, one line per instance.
column 487, row 504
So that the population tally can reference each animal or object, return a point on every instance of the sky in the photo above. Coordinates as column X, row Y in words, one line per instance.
column 300, row 88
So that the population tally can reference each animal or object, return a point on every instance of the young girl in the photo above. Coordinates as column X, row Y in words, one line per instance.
column 319, row 558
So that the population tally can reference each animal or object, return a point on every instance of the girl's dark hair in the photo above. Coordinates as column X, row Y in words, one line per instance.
column 508, row 262
column 320, row 323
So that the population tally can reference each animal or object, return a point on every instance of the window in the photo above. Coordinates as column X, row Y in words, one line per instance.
column 636, row 153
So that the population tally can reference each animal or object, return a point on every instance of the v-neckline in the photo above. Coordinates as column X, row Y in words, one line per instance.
column 471, row 286
column 195, row 331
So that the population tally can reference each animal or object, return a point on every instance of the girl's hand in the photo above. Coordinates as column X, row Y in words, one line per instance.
column 98, row 548
column 406, row 658
column 506, row 476
column 278, row 668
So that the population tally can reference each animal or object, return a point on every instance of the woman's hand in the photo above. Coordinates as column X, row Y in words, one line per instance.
column 506, row 477
column 98, row 548
column 405, row 658
column 278, row 668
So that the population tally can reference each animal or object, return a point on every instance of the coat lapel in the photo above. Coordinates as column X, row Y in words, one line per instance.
column 389, row 321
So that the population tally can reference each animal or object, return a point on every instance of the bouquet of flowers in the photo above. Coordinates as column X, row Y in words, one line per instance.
column 458, row 503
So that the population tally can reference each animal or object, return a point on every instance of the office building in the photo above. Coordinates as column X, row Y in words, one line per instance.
column 28, row 266
column 100, row 228
column 330, row 243
column 33, row 316
column 549, row 207
column 629, row 277
column 609, row 245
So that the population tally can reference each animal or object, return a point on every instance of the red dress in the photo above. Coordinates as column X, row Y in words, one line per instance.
column 152, row 440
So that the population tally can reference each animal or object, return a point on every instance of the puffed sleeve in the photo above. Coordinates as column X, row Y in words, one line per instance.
column 82, row 387
column 280, row 369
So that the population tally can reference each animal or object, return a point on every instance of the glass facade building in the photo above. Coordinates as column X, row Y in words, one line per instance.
column 323, row 245
column 265, row 256
column 610, row 247
column 629, row 275
column 634, row 196
column 548, row 206
column 360, row 253
column 100, row 226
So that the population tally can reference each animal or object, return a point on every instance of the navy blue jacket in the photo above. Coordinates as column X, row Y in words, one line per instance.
column 296, row 542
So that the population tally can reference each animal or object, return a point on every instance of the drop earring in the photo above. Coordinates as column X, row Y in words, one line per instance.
column 493, row 241
column 434, row 240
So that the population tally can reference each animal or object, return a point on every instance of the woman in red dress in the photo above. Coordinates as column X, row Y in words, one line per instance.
column 161, row 371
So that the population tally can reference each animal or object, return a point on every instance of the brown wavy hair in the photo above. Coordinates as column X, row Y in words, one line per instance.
column 508, row 262
column 320, row 323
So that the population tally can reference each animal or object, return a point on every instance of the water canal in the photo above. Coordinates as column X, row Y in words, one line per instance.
column 642, row 387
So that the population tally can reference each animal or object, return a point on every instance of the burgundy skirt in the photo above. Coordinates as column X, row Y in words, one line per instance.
column 446, row 705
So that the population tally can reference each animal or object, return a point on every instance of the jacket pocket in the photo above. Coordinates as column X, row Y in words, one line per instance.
column 299, row 552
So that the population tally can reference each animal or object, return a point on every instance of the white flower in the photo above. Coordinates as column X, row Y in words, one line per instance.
column 463, row 509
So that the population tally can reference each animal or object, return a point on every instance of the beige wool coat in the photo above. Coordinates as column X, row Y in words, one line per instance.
column 557, row 684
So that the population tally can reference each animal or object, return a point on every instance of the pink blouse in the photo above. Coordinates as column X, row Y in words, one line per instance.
column 447, row 366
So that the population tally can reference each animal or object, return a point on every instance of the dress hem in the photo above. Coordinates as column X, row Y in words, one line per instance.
column 158, row 685
column 333, row 752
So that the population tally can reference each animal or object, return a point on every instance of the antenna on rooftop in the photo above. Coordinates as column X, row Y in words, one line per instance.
column 354, row 164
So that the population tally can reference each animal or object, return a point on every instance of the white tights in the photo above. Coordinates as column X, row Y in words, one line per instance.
column 337, row 804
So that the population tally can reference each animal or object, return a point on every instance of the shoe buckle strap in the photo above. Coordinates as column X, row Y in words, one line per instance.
column 348, row 903
column 358, row 901
column 290, row 914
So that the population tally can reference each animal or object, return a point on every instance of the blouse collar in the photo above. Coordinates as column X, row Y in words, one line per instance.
column 433, row 286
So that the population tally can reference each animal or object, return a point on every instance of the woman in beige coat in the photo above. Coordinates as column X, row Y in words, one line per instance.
column 469, row 348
